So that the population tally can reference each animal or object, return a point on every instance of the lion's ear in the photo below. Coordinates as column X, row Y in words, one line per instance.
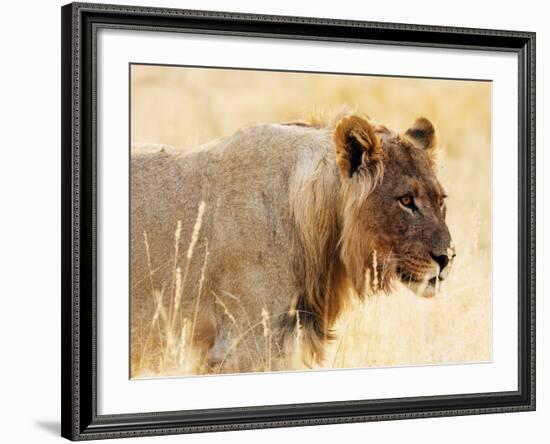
column 422, row 134
column 357, row 146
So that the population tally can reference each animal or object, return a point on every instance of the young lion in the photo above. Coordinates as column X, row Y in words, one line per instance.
column 257, row 240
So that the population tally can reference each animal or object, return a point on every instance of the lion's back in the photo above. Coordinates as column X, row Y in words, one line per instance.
column 245, row 174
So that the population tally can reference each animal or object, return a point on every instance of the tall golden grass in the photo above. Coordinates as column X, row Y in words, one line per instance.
column 189, row 106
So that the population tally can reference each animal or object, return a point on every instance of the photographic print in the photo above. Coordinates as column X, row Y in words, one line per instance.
column 297, row 221
column 252, row 202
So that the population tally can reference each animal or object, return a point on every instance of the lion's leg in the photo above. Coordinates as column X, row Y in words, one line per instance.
column 219, row 358
column 247, row 353
column 234, row 353
column 251, row 307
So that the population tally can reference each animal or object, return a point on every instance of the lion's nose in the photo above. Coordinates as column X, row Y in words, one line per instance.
column 442, row 260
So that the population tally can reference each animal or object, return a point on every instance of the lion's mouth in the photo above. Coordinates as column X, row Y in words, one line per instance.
column 427, row 287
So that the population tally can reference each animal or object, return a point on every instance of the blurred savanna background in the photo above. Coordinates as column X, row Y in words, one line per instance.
column 186, row 107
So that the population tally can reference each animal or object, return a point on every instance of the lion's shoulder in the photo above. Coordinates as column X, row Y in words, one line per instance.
column 281, row 139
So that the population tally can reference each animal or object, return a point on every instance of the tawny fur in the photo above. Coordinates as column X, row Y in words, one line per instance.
column 285, row 227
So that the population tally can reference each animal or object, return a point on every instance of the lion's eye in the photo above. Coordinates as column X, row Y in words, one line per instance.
column 407, row 201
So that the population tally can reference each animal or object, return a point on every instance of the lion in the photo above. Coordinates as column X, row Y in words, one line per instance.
column 257, row 240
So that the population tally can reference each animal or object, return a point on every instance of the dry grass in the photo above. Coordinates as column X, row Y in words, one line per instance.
column 185, row 107
column 168, row 344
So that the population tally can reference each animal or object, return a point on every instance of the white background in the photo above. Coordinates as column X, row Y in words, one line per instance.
column 30, row 234
column 118, row 394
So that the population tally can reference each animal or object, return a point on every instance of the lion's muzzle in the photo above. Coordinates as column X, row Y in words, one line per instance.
column 424, row 274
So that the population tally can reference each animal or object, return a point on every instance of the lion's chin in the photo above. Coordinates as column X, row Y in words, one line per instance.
column 426, row 288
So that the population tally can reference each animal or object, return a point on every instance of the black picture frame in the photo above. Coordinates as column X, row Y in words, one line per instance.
column 80, row 420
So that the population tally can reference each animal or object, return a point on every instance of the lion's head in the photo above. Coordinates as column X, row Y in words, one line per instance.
column 393, row 210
